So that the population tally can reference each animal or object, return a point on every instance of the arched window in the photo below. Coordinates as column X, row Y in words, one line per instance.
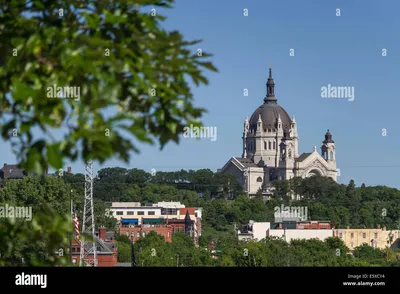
column 331, row 155
column 259, row 179
column 269, row 145
column 265, row 145
column 290, row 153
column 274, row 144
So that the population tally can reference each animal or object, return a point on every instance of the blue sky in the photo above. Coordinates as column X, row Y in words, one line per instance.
column 341, row 50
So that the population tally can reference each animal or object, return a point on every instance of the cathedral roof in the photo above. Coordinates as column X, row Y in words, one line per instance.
column 270, row 111
column 303, row 156
column 247, row 162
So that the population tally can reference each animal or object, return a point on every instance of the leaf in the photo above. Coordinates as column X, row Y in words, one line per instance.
column 53, row 155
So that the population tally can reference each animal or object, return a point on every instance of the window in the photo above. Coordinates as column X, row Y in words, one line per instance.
column 98, row 249
column 129, row 212
column 169, row 211
column 138, row 234
column 144, row 234
column 151, row 213
column 352, row 235
column 120, row 213
column 376, row 235
column 341, row 235
column 265, row 145
column 274, row 144
column 364, row 235
column 195, row 214
column 269, row 145
column 259, row 179
column 140, row 212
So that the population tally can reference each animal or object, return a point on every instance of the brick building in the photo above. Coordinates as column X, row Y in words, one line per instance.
column 314, row 225
column 107, row 253
column 135, row 231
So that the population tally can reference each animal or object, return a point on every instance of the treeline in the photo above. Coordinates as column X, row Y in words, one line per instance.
column 270, row 252
column 225, row 207
column 224, row 202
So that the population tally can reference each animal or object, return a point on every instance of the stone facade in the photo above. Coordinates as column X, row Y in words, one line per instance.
column 271, row 149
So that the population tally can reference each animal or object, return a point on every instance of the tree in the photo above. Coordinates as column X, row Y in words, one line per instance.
column 124, row 245
column 103, row 55
column 114, row 55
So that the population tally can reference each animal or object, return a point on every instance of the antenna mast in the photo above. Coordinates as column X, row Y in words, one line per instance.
column 88, row 249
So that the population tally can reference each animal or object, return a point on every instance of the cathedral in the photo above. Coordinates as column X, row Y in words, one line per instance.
column 271, row 151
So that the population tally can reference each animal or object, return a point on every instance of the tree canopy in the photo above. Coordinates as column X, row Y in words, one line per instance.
column 131, row 75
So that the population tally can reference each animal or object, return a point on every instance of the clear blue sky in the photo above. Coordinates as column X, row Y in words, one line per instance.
column 343, row 51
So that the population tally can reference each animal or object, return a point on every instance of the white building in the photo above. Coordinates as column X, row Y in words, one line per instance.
column 254, row 231
column 289, row 235
column 160, row 210
column 271, row 151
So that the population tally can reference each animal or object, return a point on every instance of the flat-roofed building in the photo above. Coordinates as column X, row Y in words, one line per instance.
column 174, row 214
column 300, row 234
column 377, row 238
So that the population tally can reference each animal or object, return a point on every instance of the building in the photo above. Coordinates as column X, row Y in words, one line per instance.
column 106, row 247
column 300, row 234
column 377, row 238
column 161, row 215
column 314, row 225
column 288, row 230
column 12, row 171
column 254, row 231
column 271, row 151
column 135, row 232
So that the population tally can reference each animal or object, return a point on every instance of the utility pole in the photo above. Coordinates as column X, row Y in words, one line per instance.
column 73, row 229
column 88, row 227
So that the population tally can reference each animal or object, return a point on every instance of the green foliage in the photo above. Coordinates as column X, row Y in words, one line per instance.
column 219, row 215
column 119, row 57
column 124, row 252
column 35, row 243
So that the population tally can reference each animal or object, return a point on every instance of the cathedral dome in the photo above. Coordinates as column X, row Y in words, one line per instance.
column 270, row 111
column 269, row 116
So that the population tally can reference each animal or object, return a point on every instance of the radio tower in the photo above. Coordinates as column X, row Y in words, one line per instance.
column 88, row 249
